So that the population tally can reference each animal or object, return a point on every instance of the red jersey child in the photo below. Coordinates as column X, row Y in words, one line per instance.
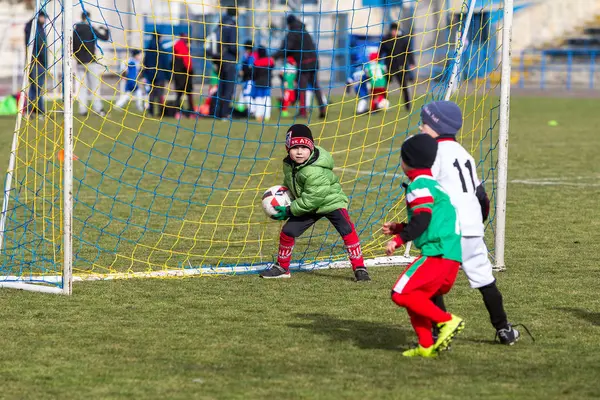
column 432, row 227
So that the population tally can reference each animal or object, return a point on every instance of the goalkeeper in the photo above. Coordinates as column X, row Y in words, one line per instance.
column 308, row 173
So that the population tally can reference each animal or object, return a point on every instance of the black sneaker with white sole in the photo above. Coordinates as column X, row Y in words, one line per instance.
column 275, row 272
column 508, row 336
column 361, row 274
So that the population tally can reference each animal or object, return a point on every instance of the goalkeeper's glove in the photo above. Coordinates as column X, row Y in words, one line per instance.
column 283, row 213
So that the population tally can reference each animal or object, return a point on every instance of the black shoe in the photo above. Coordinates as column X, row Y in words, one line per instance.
column 275, row 272
column 508, row 336
column 435, row 332
column 361, row 274
column 323, row 113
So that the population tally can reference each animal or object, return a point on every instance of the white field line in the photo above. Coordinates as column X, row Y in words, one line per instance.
column 534, row 182
column 559, row 181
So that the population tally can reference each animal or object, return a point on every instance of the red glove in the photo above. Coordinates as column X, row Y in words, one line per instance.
column 398, row 239
column 397, row 227
column 393, row 228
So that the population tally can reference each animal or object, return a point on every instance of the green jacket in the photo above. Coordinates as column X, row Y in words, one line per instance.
column 316, row 189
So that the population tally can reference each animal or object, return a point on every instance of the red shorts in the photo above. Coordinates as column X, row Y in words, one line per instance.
column 379, row 92
column 289, row 97
column 430, row 275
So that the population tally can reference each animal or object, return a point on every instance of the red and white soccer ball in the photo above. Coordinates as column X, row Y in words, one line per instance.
column 276, row 196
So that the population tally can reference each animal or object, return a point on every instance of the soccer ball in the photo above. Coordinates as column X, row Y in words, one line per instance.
column 383, row 104
column 276, row 196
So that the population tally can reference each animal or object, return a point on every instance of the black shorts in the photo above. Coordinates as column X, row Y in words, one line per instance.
column 296, row 226
column 184, row 81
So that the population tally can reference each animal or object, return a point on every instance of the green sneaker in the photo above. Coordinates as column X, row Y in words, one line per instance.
column 448, row 330
column 285, row 114
column 420, row 351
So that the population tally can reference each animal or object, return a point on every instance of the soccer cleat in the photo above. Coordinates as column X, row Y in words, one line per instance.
column 448, row 330
column 361, row 274
column 508, row 336
column 435, row 332
column 420, row 351
column 275, row 272
column 285, row 114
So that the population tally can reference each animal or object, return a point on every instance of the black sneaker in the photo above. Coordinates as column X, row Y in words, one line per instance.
column 435, row 332
column 361, row 274
column 508, row 336
column 275, row 272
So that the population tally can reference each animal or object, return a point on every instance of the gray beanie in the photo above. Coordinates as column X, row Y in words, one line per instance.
column 444, row 117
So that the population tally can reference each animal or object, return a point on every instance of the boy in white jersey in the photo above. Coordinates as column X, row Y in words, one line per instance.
column 455, row 171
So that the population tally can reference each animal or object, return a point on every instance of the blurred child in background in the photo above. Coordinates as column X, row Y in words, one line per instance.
column 213, row 85
column 375, row 82
column 132, row 83
column 261, row 87
column 289, row 76
column 245, row 96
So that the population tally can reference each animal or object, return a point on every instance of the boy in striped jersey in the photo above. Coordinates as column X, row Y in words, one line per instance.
column 433, row 227
column 456, row 172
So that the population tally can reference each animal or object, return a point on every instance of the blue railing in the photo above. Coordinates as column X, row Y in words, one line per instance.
column 566, row 68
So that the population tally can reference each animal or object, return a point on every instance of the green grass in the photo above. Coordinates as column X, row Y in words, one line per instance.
column 319, row 335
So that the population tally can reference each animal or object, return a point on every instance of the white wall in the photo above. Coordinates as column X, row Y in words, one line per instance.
column 549, row 21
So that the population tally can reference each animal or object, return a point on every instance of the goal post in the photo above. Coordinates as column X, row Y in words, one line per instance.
column 122, row 178
column 504, row 119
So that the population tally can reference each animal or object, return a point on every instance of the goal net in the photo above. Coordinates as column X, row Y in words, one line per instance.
column 169, row 166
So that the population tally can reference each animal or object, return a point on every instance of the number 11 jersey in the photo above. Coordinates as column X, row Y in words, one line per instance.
column 454, row 169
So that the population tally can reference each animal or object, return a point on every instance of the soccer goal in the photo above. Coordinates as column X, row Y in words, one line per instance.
column 130, row 169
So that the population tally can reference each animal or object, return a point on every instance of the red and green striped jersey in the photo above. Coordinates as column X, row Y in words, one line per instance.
column 289, row 75
column 376, row 74
column 442, row 236
column 214, row 78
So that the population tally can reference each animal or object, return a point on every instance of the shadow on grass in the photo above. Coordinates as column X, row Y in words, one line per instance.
column 493, row 342
column 589, row 316
column 363, row 334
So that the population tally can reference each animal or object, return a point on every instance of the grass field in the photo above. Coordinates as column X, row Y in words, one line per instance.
column 322, row 336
